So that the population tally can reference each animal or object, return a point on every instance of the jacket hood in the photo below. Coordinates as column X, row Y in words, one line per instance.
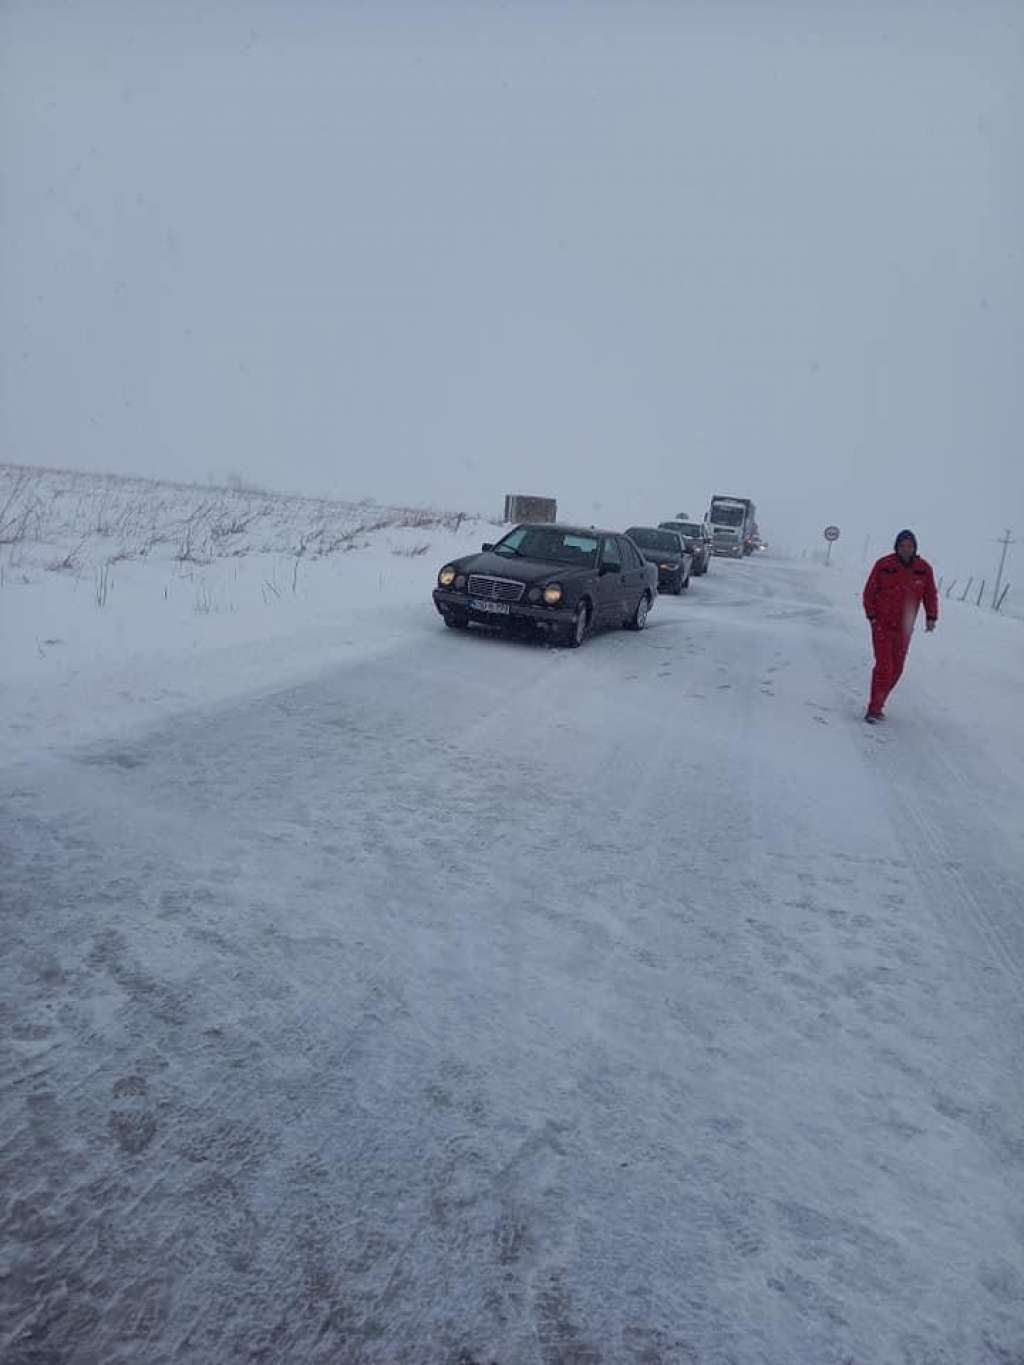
column 905, row 535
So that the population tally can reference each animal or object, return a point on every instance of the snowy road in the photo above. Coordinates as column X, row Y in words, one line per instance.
column 479, row 1002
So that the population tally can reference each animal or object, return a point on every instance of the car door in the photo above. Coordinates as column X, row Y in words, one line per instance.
column 610, row 585
column 634, row 577
column 685, row 554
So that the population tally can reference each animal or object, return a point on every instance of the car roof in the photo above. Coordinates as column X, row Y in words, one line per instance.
column 565, row 527
column 647, row 528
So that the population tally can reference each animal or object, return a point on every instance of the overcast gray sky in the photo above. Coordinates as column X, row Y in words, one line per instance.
column 627, row 254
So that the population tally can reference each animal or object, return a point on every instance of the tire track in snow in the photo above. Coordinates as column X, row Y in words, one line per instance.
column 920, row 783
column 911, row 767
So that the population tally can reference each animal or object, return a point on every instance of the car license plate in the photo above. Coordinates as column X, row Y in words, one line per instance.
column 493, row 608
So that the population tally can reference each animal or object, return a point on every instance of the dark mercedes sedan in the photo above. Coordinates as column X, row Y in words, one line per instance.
column 565, row 581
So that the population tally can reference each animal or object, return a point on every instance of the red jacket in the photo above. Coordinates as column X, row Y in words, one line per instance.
column 894, row 592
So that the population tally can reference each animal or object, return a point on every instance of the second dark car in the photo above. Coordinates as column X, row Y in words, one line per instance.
column 562, row 580
column 668, row 552
column 697, row 535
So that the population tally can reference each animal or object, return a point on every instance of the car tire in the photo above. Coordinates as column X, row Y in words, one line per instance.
column 684, row 585
column 577, row 632
column 639, row 618
column 455, row 620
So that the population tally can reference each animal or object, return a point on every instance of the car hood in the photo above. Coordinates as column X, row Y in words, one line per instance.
column 521, row 570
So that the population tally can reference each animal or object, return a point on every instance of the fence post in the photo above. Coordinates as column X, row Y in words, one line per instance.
column 1002, row 596
column 966, row 590
column 981, row 593
column 951, row 587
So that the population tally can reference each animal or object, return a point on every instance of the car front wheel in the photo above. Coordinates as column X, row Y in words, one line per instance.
column 455, row 620
column 577, row 631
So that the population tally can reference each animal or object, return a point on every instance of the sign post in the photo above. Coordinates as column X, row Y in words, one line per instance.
column 831, row 535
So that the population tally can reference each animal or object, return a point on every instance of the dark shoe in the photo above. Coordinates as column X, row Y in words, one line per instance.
column 872, row 716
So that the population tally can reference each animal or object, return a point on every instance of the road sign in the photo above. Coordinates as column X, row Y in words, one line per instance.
column 831, row 533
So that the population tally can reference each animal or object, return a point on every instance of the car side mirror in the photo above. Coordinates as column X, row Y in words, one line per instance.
column 486, row 547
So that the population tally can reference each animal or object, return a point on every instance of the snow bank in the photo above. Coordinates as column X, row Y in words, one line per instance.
column 123, row 600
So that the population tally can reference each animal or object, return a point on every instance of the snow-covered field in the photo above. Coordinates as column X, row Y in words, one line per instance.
column 377, row 994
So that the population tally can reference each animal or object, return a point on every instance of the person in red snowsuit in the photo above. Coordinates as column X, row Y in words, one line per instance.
column 893, row 594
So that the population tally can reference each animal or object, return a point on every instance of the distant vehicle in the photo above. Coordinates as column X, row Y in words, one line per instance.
column 564, row 581
column 733, row 522
column 668, row 551
column 697, row 535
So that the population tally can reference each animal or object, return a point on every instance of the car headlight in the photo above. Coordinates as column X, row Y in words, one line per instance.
column 460, row 582
column 534, row 595
column 666, row 568
column 553, row 594
column 447, row 576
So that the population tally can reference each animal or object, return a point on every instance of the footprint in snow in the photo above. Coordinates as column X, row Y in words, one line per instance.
column 132, row 1124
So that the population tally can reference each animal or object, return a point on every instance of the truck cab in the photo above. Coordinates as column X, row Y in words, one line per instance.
column 733, row 525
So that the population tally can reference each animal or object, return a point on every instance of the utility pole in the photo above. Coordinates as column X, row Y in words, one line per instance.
column 1006, row 542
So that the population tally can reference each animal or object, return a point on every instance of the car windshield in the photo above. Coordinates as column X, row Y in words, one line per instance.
column 549, row 543
column 662, row 541
column 685, row 528
column 724, row 514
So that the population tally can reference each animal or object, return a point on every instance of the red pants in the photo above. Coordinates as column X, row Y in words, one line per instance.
column 891, row 645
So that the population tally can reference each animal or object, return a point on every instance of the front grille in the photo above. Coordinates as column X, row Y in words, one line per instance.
column 495, row 589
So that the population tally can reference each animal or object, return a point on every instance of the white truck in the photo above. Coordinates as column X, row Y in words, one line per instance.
column 733, row 525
